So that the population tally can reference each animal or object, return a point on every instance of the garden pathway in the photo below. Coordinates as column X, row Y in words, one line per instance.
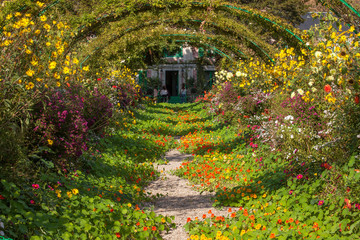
column 179, row 200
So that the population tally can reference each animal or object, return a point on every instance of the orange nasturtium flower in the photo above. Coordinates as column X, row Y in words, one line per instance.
column 327, row 88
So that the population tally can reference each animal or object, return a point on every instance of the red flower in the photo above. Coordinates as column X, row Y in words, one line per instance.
column 2, row 197
column 347, row 203
column 327, row 88
column 153, row 228
column 138, row 223
column 188, row 220
column 357, row 99
column 145, row 228
column 114, row 86
column 111, row 210
column 99, row 79
column 118, row 235
column 204, row 216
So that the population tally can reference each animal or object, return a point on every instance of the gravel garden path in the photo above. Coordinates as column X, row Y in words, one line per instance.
column 179, row 200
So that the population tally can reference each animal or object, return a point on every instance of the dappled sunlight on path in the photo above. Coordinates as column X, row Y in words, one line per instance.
column 179, row 199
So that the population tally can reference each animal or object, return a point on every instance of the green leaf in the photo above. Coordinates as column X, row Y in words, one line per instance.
column 23, row 229
column 87, row 227
column 35, row 238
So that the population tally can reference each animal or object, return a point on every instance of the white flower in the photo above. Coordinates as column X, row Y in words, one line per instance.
column 289, row 117
column 330, row 78
column 238, row 74
column 333, row 71
column 348, row 91
column 229, row 75
column 315, row 69
column 358, row 136
column 292, row 94
column 311, row 82
column 291, row 136
column 318, row 54
column 313, row 89
column 300, row 91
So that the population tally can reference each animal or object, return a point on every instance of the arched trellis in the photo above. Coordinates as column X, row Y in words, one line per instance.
column 250, row 41
column 231, row 8
column 254, row 46
column 179, row 38
column 236, row 10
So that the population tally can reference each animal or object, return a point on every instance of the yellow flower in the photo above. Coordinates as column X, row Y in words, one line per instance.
column 48, row 44
column 242, row 232
column 75, row 191
column 40, row 4
column 57, row 75
column 50, row 142
column 58, row 84
column 9, row 16
column 30, row 85
column 38, row 79
column 66, row 70
column 17, row 14
column 28, row 51
column 30, row 73
column 43, row 18
column 86, row 68
column 69, row 194
column 129, row 204
column 34, row 62
column 47, row 27
column 7, row 42
column 52, row 65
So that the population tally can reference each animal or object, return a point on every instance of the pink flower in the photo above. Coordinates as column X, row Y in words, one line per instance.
column 32, row 201
column 299, row 176
column 35, row 186
column 290, row 192
column 321, row 202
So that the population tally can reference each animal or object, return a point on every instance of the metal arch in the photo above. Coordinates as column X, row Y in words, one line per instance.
column 158, row 22
column 348, row 5
column 199, row 21
column 191, row 20
column 174, row 35
column 226, row 6
column 339, row 15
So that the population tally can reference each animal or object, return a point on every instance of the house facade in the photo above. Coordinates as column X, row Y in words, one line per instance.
column 182, row 67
